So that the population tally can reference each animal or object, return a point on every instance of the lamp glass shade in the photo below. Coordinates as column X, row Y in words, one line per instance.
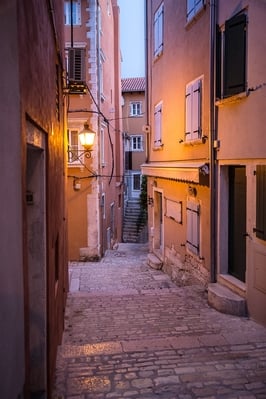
column 87, row 137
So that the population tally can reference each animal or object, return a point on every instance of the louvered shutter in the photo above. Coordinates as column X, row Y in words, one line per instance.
column 76, row 64
column 193, row 110
column 158, row 126
column 193, row 227
column 196, row 105
column 188, row 131
column 261, row 202
column 235, row 55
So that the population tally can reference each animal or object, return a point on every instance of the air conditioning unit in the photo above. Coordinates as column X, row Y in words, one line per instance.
column 146, row 128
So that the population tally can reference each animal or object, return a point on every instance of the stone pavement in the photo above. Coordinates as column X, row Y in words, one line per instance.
column 132, row 333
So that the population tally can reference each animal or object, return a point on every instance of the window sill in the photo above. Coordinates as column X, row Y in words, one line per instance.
column 232, row 99
column 158, row 147
column 195, row 17
column 201, row 140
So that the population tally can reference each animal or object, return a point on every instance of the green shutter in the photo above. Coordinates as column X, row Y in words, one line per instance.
column 235, row 55
column 261, row 202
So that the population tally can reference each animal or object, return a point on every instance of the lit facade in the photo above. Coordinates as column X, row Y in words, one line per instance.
column 95, row 184
column 207, row 167
column 178, row 97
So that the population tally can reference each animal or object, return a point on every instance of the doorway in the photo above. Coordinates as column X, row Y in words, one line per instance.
column 237, row 222
column 36, row 259
column 158, row 222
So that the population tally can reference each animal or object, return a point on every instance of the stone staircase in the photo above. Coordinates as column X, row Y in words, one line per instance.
column 134, row 229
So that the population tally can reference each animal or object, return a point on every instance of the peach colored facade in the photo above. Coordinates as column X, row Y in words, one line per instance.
column 207, row 164
column 33, row 249
column 178, row 167
column 134, row 135
column 95, row 185
column 241, row 160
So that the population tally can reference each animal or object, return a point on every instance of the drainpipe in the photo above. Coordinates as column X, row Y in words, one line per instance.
column 212, row 150
column 147, row 74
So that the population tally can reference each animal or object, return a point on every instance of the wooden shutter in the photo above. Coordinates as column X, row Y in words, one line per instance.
column 76, row 63
column 235, row 55
column 193, row 227
column 196, row 109
column 188, row 131
column 193, row 110
column 158, row 31
column 261, row 202
column 158, row 125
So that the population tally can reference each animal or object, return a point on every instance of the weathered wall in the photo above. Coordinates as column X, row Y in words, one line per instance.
column 33, row 122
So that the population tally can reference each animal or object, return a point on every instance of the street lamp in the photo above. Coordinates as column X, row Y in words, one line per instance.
column 86, row 138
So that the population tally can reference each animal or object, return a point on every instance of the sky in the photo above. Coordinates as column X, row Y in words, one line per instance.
column 132, row 38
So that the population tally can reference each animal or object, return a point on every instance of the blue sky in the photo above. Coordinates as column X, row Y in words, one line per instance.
column 132, row 38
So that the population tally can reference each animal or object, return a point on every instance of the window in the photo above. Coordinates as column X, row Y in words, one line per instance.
column 102, row 146
column 76, row 64
column 76, row 12
column 158, row 125
column 193, row 227
column 73, row 146
column 101, row 74
column 158, row 31
column 261, row 202
column 136, row 181
column 136, row 143
column 135, row 108
column 193, row 8
column 231, row 60
column 193, row 110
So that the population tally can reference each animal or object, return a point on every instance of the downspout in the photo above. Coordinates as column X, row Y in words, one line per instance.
column 147, row 83
column 212, row 150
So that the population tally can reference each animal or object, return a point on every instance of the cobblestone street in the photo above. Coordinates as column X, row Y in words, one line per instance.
column 132, row 333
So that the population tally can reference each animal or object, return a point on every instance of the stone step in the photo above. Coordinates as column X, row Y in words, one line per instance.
column 226, row 301
column 154, row 262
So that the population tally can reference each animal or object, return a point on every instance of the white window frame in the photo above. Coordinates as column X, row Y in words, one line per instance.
column 136, row 142
column 135, row 108
column 193, row 8
column 193, row 110
column 158, row 110
column 76, row 12
column 73, row 147
column 193, row 226
column 158, row 25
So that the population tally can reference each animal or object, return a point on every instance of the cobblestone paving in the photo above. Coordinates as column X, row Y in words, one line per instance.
column 132, row 333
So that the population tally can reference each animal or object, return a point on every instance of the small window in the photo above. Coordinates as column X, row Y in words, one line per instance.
column 158, row 31
column 73, row 146
column 136, row 143
column 136, row 181
column 76, row 12
column 193, row 8
column 193, row 227
column 158, row 125
column 261, row 202
column 102, row 145
column 193, row 110
column 76, row 64
column 135, row 108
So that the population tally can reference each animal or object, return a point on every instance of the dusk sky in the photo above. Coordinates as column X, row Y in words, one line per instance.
column 132, row 38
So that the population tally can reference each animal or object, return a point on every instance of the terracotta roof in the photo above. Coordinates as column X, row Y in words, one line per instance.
column 133, row 84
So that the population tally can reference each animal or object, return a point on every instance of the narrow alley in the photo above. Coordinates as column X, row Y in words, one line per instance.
column 132, row 333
